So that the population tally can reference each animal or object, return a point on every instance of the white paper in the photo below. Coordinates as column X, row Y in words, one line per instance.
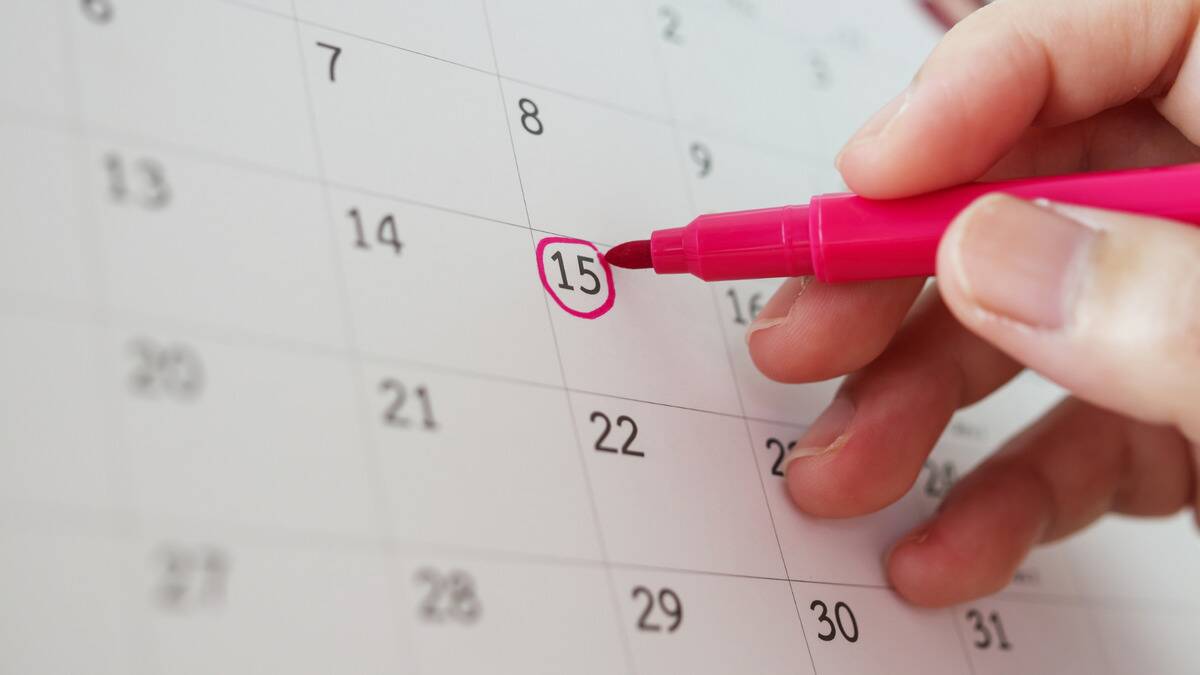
column 283, row 389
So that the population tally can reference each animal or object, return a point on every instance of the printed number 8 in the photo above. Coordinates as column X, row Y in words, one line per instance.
column 529, row 117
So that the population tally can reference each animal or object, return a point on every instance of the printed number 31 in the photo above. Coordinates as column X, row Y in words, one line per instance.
column 583, row 272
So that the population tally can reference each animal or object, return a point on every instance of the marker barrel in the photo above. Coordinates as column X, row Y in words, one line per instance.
column 844, row 237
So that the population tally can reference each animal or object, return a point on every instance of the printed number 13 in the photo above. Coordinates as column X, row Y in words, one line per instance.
column 583, row 271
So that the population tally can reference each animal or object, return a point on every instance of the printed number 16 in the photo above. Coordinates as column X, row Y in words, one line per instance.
column 583, row 271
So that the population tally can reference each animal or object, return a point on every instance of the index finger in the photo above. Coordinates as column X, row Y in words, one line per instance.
column 1020, row 63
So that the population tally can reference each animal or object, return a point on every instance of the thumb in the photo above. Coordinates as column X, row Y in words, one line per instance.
column 1106, row 304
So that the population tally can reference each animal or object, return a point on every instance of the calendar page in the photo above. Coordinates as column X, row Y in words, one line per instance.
column 311, row 361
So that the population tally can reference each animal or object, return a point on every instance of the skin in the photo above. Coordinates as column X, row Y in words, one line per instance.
column 1020, row 88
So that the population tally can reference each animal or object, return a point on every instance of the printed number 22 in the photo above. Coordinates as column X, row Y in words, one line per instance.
column 782, row 450
column 626, row 448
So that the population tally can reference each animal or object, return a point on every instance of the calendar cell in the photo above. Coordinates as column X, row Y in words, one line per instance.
column 55, row 439
column 597, row 49
column 62, row 610
column 851, row 549
column 593, row 172
column 32, row 64
column 728, row 176
column 1048, row 569
column 478, row 308
column 209, row 76
column 846, row 89
column 707, row 66
column 476, row 463
column 472, row 615
column 455, row 30
column 1138, row 559
column 985, row 425
column 238, row 434
column 1027, row 637
column 680, row 622
column 738, row 303
column 410, row 126
column 41, row 250
column 660, row 342
column 854, row 630
column 218, row 605
column 897, row 34
column 1145, row 640
column 199, row 242
column 648, row 478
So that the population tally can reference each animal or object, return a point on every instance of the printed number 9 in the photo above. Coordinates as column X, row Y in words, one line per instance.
column 99, row 11
column 703, row 158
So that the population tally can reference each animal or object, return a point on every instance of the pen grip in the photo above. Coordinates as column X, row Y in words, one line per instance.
column 854, row 239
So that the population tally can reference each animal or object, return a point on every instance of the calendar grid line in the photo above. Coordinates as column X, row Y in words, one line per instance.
column 140, row 646
column 582, row 98
column 349, row 333
column 98, row 131
column 27, row 306
column 198, row 154
column 94, row 133
column 381, row 515
column 120, row 525
column 598, row 528
column 647, row 116
column 664, row 83
column 14, row 305
column 1089, row 610
column 952, row 615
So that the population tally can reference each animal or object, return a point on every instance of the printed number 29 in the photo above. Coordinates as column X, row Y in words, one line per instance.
column 668, row 603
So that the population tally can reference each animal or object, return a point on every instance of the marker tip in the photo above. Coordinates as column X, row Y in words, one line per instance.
column 633, row 255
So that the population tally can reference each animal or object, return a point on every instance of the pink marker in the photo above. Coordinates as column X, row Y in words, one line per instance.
column 844, row 237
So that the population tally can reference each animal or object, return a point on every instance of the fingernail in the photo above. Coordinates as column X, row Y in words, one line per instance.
column 826, row 435
column 1020, row 260
column 877, row 125
column 917, row 536
column 775, row 313
column 762, row 324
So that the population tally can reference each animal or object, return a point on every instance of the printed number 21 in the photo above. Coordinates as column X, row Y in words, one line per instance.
column 583, row 272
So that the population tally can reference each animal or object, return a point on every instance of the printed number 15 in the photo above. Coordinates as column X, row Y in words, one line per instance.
column 583, row 272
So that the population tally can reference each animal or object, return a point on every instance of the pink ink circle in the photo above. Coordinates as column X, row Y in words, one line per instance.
column 612, row 290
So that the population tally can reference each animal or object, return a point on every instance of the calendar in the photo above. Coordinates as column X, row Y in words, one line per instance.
column 311, row 362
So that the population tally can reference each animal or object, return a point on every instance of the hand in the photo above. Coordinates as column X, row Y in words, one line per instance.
column 1106, row 304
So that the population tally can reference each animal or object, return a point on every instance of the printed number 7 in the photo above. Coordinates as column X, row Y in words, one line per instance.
column 335, row 53
column 583, row 272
